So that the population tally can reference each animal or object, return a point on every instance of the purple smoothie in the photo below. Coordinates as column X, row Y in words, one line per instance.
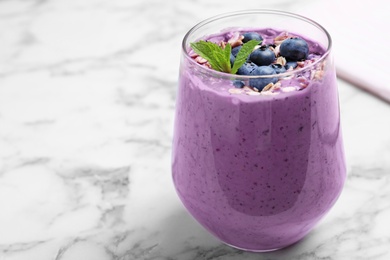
column 258, row 171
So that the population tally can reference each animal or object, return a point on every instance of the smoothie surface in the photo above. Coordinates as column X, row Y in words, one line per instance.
column 282, row 61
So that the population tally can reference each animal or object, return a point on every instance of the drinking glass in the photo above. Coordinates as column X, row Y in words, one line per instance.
column 258, row 171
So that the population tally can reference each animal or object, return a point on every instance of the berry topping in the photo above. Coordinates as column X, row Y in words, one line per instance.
column 238, row 83
column 251, row 36
column 278, row 68
column 291, row 65
column 235, row 50
column 294, row 49
column 247, row 68
column 242, row 53
column 232, row 59
column 262, row 56
column 260, row 83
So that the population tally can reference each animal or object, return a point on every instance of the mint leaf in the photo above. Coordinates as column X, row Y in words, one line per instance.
column 218, row 58
column 203, row 49
column 243, row 54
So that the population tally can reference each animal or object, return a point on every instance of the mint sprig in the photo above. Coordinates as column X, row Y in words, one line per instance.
column 219, row 58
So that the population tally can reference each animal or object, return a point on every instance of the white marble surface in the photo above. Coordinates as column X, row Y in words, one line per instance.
column 87, row 92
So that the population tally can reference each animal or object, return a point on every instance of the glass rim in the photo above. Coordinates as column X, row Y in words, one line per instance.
column 256, row 11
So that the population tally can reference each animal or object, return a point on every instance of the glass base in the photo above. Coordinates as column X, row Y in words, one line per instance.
column 254, row 250
column 266, row 250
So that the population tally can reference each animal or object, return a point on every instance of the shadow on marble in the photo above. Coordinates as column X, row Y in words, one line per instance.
column 184, row 239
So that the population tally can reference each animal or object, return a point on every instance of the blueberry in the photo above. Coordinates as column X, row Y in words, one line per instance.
column 232, row 59
column 278, row 68
column 291, row 64
column 251, row 36
column 260, row 83
column 247, row 68
column 238, row 83
column 294, row 49
column 235, row 50
column 262, row 56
